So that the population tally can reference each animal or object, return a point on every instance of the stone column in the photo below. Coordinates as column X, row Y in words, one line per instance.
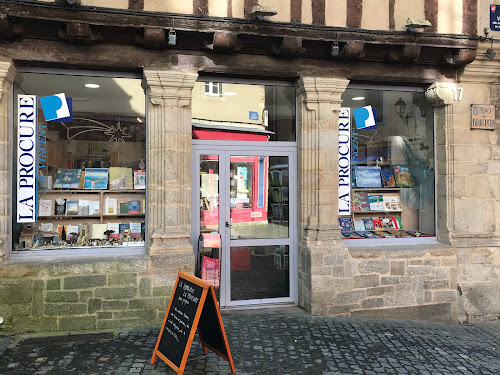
column 7, row 75
column 169, row 160
column 319, row 100
column 440, row 95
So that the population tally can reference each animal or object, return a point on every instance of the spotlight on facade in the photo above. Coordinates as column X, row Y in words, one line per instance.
column 259, row 12
column 413, row 24
column 172, row 38
column 490, row 54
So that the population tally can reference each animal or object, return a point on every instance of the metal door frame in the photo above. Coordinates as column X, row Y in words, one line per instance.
column 226, row 149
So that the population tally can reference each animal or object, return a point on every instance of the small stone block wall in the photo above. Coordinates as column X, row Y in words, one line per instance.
column 87, row 295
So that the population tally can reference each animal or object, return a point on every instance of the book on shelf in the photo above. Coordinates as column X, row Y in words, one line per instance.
column 98, row 231
column 386, row 223
column 96, row 178
column 73, row 229
column 46, row 227
column 122, row 227
column 360, row 202
column 111, row 206
column 71, row 207
column 351, row 235
column 62, row 231
column 83, row 207
column 59, row 206
column 276, row 178
column 67, row 179
column 403, row 176
column 276, row 194
column 135, row 228
column 345, row 224
column 276, row 211
column 377, row 224
column 120, row 178
column 139, row 179
column 376, row 202
column 367, row 234
column 392, row 203
column 389, row 234
column 284, row 195
column 124, row 208
column 115, row 227
column 368, row 177
column 134, row 207
column 368, row 223
column 416, row 233
column 396, row 222
column 94, row 207
column 45, row 207
column 359, row 225
column 388, row 180
column 143, row 227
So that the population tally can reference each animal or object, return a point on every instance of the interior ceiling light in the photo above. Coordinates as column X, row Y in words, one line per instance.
column 139, row 119
column 92, row 85
column 358, row 98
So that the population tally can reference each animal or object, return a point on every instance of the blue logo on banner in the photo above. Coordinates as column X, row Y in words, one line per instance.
column 57, row 107
column 253, row 115
column 365, row 117
column 494, row 17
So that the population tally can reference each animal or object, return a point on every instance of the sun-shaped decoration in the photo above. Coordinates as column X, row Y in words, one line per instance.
column 117, row 133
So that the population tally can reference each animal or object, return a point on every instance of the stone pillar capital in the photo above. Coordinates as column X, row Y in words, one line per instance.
column 440, row 93
column 318, row 90
column 169, row 88
column 7, row 74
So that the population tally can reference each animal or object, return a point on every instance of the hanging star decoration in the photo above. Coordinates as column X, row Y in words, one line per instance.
column 117, row 133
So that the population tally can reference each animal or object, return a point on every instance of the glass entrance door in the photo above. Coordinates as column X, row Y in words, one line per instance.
column 248, row 198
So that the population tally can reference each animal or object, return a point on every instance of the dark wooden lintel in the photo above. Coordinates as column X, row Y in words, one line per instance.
column 44, row 21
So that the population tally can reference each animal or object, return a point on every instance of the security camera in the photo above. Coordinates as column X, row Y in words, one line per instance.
column 412, row 24
column 487, row 30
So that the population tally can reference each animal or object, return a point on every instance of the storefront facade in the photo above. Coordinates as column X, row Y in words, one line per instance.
column 238, row 124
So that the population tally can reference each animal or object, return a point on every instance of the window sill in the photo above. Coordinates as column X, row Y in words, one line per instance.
column 399, row 243
column 76, row 253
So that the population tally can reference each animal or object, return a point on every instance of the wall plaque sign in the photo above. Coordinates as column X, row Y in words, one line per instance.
column 483, row 116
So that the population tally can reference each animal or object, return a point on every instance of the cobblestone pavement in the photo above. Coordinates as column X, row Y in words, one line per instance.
column 275, row 341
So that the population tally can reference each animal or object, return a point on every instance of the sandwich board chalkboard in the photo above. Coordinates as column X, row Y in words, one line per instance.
column 193, row 304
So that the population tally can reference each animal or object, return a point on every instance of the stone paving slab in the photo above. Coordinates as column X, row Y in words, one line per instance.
column 275, row 341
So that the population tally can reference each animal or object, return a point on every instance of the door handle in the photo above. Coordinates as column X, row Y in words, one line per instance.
column 228, row 225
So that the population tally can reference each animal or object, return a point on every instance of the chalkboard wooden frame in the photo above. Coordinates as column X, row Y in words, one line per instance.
column 208, row 312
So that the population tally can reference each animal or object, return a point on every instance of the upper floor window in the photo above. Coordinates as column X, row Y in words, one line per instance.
column 213, row 88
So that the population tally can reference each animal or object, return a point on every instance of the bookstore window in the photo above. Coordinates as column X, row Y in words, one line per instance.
column 392, row 174
column 79, row 162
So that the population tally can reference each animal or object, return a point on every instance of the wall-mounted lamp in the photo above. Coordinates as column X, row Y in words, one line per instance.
column 259, row 12
column 335, row 49
column 413, row 25
column 172, row 36
column 490, row 53
column 400, row 107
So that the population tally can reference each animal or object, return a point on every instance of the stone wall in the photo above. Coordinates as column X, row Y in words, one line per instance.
column 412, row 282
column 87, row 295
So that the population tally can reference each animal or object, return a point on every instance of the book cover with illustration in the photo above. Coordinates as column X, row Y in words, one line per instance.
column 377, row 223
column 360, row 201
column 134, row 207
column 120, row 178
column 368, row 177
column 67, row 179
column 45, row 207
column 122, row 227
column 386, row 223
column 83, row 207
column 139, row 179
column 111, row 206
column 96, row 178
column 368, row 221
column 94, row 207
column 351, row 235
column 403, row 176
column 388, row 179
column 345, row 224
column 135, row 228
column 72, row 208
column 392, row 203
column 367, row 234
column 115, row 227
column 60, row 206
column 376, row 202
column 359, row 225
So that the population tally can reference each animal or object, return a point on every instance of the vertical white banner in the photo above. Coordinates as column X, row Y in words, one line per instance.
column 26, row 158
column 344, row 161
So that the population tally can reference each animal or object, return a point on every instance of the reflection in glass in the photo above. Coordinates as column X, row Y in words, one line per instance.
column 259, row 272
column 209, row 193
column 243, row 112
column 259, row 197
